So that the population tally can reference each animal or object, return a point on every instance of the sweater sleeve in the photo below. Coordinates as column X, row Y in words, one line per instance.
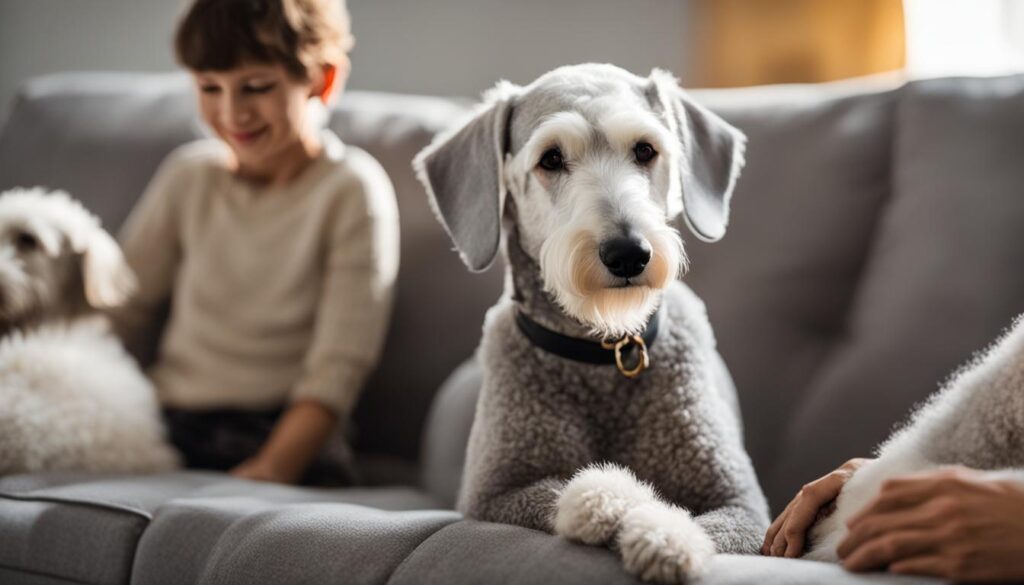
column 361, row 266
column 150, row 241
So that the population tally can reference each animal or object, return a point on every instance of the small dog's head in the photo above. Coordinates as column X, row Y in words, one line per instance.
column 55, row 259
column 598, row 164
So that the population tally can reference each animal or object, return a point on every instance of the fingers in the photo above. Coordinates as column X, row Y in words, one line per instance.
column 773, row 530
column 895, row 494
column 909, row 491
column 890, row 549
column 931, row 565
column 926, row 517
column 787, row 535
column 801, row 517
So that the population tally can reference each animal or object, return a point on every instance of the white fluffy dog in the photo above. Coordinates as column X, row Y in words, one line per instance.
column 977, row 420
column 71, row 398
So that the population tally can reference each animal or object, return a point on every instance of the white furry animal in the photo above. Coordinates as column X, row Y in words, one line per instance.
column 71, row 398
column 630, row 444
column 976, row 420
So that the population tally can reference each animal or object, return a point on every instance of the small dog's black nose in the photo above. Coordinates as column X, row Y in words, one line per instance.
column 625, row 256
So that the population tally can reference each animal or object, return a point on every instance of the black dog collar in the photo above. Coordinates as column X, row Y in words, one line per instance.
column 593, row 352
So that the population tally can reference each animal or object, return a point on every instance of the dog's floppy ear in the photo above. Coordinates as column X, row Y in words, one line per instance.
column 711, row 157
column 109, row 281
column 462, row 172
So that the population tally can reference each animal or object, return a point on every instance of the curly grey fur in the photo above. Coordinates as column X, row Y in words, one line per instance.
column 540, row 418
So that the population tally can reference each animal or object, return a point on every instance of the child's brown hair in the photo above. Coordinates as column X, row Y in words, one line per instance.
column 301, row 35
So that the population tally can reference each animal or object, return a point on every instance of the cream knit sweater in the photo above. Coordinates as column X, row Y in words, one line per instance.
column 277, row 293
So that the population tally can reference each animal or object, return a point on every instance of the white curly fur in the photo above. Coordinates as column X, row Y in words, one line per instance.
column 71, row 398
column 591, row 506
column 661, row 543
column 976, row 420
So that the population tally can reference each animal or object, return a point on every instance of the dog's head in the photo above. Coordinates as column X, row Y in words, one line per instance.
column 55, row 259
column 591, row 165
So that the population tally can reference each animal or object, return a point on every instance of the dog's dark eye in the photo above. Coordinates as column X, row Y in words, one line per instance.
column 644, row 152
column 551, row 160
column 26, row 242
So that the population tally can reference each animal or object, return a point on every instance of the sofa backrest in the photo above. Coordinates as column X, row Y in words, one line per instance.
column 876, row 242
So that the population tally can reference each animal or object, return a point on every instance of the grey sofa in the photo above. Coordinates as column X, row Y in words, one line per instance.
column 877, row 240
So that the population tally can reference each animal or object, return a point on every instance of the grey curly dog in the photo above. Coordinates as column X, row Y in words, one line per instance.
column 604, row 414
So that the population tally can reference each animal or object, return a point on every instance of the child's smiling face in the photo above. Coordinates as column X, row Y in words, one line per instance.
column 259, row 110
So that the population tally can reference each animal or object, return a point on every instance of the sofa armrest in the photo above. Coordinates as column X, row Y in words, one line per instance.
column 447, row 432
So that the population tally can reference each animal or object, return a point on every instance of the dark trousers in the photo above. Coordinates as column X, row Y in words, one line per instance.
column 221, row 439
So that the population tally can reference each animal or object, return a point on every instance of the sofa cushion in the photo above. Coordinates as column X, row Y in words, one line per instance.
column 479, row 552
column 779, row 285
column 83, row 543
column 247, row 540
column 85, row 527
column 99, row 136
column 943, row 279
column 15, row 577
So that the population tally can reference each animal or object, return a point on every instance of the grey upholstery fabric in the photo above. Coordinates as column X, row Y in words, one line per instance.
column 81, row 543
column 744, row 570
column 499, row 554
column 86, row 527
column 447, row 432
column 137, row 494
column 19, row 577
column 144, row 494
column 778, row 285
column 439, row 305
column 98, row 135
column 943, row 278
column 247, row 540
column 479, row 552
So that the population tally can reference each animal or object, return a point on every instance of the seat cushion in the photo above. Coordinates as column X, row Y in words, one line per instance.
column 85, row 527
column 251, row 540
column 82, row 527
column 479, row 552
column 82, row 543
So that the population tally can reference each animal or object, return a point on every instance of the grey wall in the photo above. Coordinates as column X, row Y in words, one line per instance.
column 444, row 47
column 46, row 36
column 461, row 47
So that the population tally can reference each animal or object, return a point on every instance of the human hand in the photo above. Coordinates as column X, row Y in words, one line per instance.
column 263, row 468
column 953, row 523
column 297, row 436
column 787, row 535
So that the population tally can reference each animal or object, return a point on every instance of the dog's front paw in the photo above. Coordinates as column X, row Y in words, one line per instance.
column 661, row 543
column 593, row 503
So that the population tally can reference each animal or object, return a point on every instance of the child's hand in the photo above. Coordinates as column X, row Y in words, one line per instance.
column 263, row 468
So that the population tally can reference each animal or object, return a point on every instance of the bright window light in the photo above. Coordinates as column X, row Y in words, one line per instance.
column 964, row 37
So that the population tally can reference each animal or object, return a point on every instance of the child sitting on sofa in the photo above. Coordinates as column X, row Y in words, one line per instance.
column 276, row 245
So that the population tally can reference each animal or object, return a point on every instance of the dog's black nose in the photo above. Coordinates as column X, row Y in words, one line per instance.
column 625, row 256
